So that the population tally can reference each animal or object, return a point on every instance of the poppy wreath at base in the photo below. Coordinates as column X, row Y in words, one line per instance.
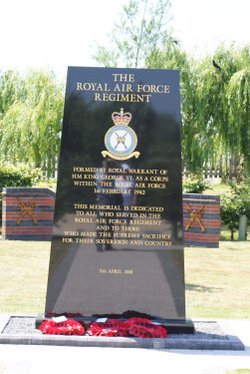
column 133, row 327
column 68, row 327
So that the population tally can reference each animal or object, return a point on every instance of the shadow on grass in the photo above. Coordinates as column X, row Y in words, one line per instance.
column 199, row 288
column 236, row 245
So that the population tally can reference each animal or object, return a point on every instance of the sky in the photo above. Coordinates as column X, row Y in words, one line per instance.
column 55, row 34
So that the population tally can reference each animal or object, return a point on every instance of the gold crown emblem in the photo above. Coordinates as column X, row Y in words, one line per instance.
column 121, row 118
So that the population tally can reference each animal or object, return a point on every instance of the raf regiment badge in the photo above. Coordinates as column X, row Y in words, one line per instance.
column 120, row 140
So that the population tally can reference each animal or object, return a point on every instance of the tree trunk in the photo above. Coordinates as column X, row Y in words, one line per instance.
column 232, row 235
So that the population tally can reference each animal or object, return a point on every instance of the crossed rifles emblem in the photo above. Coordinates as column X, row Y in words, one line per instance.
column 26, row 210
column 195, row 215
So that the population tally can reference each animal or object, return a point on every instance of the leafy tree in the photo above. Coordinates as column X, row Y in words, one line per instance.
column 11, row 90
column 144, row 26
column 214, row 92
column 223, row 99
column 214, row 105
column 235, row 205
column 172, row 56
column 30, row 126
column 230, row 214
column 239, row 114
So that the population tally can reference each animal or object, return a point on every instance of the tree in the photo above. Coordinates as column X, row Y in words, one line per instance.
column 144, row 26
column 235, row 205
column 223, row 97
column 239, row 121
column 11, row 90
column 30, row 126
column 172, row 56
column 214, row 105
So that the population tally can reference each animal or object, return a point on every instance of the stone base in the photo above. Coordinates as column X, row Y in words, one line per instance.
column 172, row 326
column 209, row 335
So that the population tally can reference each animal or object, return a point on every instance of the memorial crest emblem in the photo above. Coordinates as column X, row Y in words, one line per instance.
column 121, row 140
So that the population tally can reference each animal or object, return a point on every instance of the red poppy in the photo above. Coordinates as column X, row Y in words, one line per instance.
column 137, row 327
column 68, row 327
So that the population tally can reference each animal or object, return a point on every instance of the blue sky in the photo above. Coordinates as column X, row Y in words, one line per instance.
column 59, row 33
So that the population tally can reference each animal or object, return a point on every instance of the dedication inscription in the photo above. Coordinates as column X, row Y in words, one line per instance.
column 117, row 240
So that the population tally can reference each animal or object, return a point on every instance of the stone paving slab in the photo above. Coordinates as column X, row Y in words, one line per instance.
column 4, row 319
column 230, row 342
column 233, row 343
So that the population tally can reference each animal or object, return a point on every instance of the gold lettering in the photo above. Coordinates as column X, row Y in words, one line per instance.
column 116, row 271
column 128, row 97
column 84, row 240
column 79, row 86
column 86, row 86
column 124, row 87
column 165, row 89
column 123, row 77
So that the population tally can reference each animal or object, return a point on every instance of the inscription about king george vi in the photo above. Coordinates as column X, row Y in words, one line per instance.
column 124, row 88
column 111, row 220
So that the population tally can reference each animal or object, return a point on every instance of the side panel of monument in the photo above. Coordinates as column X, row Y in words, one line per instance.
column 117, row 238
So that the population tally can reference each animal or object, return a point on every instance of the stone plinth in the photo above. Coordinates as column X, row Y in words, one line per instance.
column 201, row 220
column 27, row 213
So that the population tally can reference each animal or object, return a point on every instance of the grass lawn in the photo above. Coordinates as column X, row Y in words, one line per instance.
column 217, row 280
column 217, row 188
column 23, row 276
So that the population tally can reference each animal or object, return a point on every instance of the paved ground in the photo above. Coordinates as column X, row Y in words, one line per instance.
column 21, row 359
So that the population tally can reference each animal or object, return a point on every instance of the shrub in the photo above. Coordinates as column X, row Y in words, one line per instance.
column 241, row 194
column 238, row 203
column 230, row 214
column 20, row 175
column 194, row 184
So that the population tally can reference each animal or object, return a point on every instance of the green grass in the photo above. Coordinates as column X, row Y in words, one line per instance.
column 217, row 189
column 23, row 276
column 217, row 280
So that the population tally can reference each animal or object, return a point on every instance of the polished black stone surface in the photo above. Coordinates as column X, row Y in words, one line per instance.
column 117, row 240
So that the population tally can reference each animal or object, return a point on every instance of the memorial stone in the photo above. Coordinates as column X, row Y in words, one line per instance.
column 117, row 242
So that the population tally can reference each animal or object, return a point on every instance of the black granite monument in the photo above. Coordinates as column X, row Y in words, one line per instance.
column 117, row 240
